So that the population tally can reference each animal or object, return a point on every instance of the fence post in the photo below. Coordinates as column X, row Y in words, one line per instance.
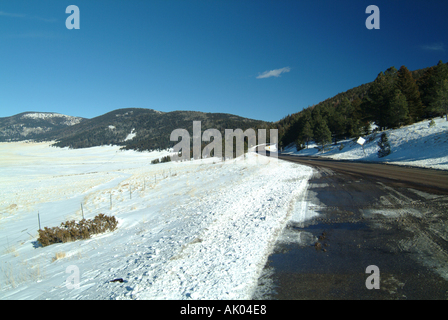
column 82, row 210
column 111, row 201
column 38, row 218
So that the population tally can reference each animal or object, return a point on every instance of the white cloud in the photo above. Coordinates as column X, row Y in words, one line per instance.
column 13, row 15
column 273, row 73
column 18, row 15
column 434, row 47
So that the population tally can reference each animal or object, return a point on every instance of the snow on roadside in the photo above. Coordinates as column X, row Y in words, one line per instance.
column 416, row 145
column 187, row 230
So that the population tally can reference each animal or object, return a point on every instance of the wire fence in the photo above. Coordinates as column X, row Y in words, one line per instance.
column 106, row 202
column 113, row 201
column 109, row 200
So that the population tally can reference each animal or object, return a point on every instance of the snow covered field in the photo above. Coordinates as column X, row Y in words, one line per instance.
column 187, row 230
column 415, row 145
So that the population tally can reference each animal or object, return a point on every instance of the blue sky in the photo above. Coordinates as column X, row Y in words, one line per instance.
column 257, row 59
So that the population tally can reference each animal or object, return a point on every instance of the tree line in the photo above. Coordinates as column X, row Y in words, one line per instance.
column 395, row 98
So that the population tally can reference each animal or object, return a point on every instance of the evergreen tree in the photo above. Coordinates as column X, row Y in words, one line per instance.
column 425, row 87
column 322, row 134
column 408, row 87
column 379, row 96
column 430, row 85
column 357, row 109
column 398, row 110
column 354, row 127
column 384, row 146
column 316, row 117
column 440, row 102
column 338, row 123
column 307, row 132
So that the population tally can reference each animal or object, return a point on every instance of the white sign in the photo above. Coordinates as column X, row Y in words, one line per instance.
column 360, row 141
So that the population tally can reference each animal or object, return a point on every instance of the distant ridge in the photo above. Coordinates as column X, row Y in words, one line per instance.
column 133, row 128
column 34, row 125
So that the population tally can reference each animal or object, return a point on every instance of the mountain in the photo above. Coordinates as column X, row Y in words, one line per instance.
column 132, row 128
column 35, row 125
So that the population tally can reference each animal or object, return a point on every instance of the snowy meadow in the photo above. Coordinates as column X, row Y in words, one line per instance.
column 187, row 230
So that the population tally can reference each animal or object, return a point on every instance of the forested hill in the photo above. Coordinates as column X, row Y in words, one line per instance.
column 146, row 129
column 394, row 98
column 35, row 125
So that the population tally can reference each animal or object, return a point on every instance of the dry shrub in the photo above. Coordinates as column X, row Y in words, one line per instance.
column 71, row 231
column 59, row 255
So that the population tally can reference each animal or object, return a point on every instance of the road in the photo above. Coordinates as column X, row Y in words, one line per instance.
column 367, row 214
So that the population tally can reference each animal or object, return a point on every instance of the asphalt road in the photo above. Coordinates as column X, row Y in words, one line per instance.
column 425, row 179
column 391, row 217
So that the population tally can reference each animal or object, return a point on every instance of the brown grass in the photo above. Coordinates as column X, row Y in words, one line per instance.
column 59, row 255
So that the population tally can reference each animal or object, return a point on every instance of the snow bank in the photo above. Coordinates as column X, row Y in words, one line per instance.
column 187, row 230
column 415, row 145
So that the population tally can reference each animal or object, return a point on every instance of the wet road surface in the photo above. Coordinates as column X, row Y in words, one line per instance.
column 367, row 214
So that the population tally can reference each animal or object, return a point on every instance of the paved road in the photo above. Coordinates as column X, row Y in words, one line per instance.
column 367, row 214
column 435, row 180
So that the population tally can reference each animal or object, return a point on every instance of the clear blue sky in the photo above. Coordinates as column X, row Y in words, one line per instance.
column 210, row 56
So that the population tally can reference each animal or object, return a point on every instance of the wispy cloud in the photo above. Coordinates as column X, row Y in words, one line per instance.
column 273, row 73
column 12, row 15
column 24, row 16
column 434, row 47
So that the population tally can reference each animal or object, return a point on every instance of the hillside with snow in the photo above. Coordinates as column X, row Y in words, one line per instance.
column 35, row 125
column 417, row 145
column 187, row 230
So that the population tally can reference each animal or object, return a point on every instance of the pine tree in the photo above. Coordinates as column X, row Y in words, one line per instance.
column 384, row 146
column 322, row 134
column 408, row 87
column 338, row 123
column 307, row 132
column 354, row 127
column 440, row 102
column 379, row 96
column 430, row 85
column 398, row 110
column 425, row 88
